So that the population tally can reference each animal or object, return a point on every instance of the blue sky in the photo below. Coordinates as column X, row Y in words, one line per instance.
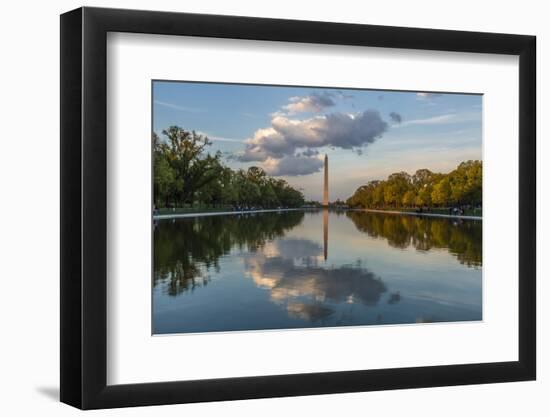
column 367, row 134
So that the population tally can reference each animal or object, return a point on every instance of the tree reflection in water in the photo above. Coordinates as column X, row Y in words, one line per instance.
column 186, row 249
column 462, row 238
column 287, row 270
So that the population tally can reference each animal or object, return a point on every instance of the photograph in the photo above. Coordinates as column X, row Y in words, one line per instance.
column 284, row 207
column 320, row 205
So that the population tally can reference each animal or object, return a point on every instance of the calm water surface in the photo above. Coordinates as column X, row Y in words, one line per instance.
column 299, row 269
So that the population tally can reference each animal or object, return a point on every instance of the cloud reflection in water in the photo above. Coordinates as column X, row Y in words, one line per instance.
column 269, row 271
column 292, row 271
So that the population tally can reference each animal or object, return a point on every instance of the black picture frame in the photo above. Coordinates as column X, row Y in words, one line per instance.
column 84, row 207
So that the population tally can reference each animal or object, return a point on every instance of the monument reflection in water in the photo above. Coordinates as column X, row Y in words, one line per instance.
column 284, row 270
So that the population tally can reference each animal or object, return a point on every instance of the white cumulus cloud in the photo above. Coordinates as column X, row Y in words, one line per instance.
column 340, row 130
column 313, row 103
column 293, row 165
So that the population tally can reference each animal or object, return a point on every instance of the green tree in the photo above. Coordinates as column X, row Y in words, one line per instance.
column 409, row 198
column 257, row 175
column 230, row 194
column 378, row 195
column 423, row 189
column 163, row 181
column 441, row 194
column 269, row 198
column 395, row 188
column 424, row 196
column 193, row 167
column 421, row 177
column 474, row 181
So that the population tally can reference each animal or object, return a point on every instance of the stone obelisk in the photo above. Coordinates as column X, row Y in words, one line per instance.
column 325, row 211
column 325, row 233
column 325, row 188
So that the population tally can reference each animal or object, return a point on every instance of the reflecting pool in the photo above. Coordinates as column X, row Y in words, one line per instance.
column 317, row 268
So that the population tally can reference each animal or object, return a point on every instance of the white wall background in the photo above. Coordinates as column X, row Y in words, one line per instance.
column 29, row 209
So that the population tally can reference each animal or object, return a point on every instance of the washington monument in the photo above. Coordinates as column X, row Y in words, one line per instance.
column 325, row 211
column 325, row 188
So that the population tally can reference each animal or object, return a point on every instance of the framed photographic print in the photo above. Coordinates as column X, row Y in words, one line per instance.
column 256, row 207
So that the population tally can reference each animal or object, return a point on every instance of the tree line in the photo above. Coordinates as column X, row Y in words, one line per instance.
column 460, row 187
column 185, row 173
column 186, row 250
column 464, row 242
